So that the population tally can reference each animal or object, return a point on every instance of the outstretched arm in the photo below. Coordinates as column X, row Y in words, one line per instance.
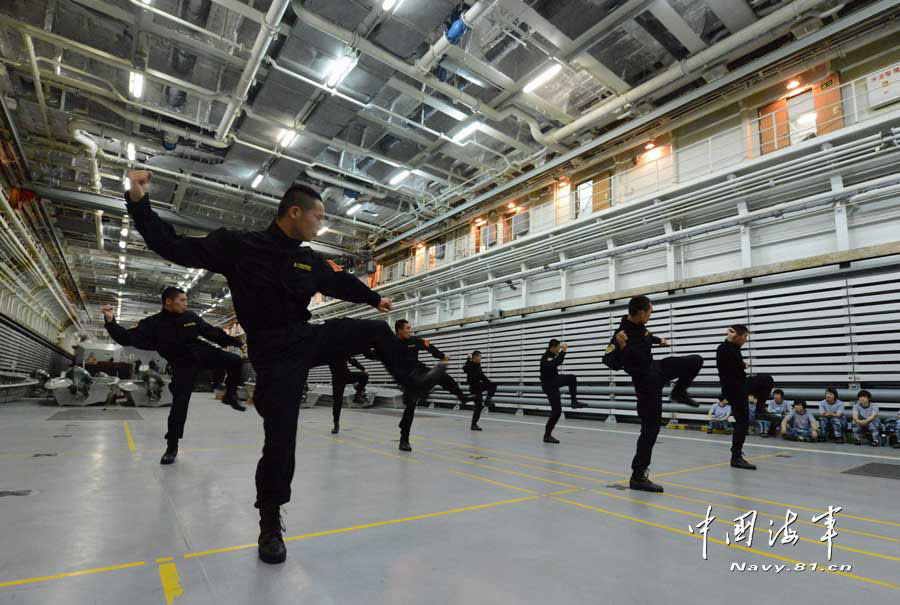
column 217, row 335
column 213, row 252
column 140, row 336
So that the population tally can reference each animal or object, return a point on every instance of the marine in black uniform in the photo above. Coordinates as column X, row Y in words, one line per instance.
column 633, row 343
column 174, row 333
column 341, row 376
column 552, row 381
column 478, row 384
column 415, row 377
column 736, row 386
column 272, row 279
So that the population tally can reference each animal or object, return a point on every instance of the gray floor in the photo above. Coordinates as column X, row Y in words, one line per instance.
column 89, row 516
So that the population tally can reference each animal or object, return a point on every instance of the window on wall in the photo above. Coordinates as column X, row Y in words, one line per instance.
column 585, row 195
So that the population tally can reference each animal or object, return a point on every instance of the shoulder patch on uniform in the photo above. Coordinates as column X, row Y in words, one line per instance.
column 334, row 266
column 190, row 323
column 303, row 266
column 610, row 348
column 550, row 358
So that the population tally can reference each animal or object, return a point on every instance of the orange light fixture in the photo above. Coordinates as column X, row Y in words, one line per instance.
column 793, row 84
column 649, row 145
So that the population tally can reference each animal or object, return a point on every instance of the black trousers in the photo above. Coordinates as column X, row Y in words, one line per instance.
column 199, row 357
column 340, row 378
column 282, row 359
column 450, row 385
column 759, row 386
column 416, row 388
column 477, row 389
column 648, row 387
column 551, row 390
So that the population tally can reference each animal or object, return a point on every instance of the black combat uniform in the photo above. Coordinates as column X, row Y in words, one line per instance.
column 478, row 383
column 648, row 377
column 551, row 382
column 175, row 336
column 341, row 376
column 272, row 279
column 417, row 379
column 736, row 386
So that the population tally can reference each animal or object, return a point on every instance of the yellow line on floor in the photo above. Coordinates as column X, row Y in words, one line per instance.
column 129, row 438
column 708, row 466
column 843, row 530
column 343, row 530
column 380, row 452
column 682, row 486
column 720, row 542
column 168, row 575
column 491, row 481
column 793, row 506
column 71, row 574
column 730, row 523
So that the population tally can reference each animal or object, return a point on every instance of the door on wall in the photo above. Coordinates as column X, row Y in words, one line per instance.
column 600, row 198
column 827, row 101
column 774, row 132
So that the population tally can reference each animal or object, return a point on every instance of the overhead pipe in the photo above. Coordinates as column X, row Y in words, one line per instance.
column 38, row 87
column 268, row 30
column 863, row 14
column 346, row 184
column 452, row 36
column 90, row 148
column 162, row 126
column 98, row 224
column 692, row 65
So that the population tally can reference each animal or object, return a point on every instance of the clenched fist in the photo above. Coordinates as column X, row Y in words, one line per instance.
column 385, row 305
column 140, row 184
column 107, row 311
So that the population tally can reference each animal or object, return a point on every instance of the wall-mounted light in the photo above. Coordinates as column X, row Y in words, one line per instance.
column 793, row 84
column 124, row 232
column 122, row 245
column 649, row 145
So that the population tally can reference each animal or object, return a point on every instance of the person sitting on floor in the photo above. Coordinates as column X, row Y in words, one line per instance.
column 865, row 419
column 777, row 409
column 897, row 431
column 719, row 414
column 799, row 424
column 831, row 415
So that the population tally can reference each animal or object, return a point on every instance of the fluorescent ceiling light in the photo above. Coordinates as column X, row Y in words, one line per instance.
column 124, row 232
column 390, row 4
column 136, row 85
column 131, row 151
column 121, row 258
column 121, row 280
column 807, row 119
column 339, row 70
column 399, row 177
column 287, row 138
column 465, row 132
column 322, row 231
column 122, row 245
column 543, row 78
column 354, row 209
column 256, row 180
column 127, row 184
column 121, row 266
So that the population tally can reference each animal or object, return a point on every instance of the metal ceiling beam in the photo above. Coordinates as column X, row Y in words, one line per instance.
column 677, row 26
column 734, row 14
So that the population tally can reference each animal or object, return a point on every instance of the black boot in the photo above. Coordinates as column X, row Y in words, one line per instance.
column 171, row 452
column 548, row 438
column 475, row 427
column 641, row 481
column 577, row 404
column 336, row 429
column 404, row 443
column 739, row 462
column 271, row 542
column 232, row 400
column 681, row 396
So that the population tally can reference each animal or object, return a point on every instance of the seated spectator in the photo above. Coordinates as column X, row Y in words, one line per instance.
column 897, row 431
column 831, row 416
column 777, row 409
column 799, row 424
column 91, row 359
column 865, row 419
column 719, row 414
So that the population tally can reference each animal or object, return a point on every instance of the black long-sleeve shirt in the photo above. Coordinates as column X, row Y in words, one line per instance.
column 271, row 276
column 170, row 334
column 550, row 363
column 730, row 364
column 405, row 354
column 637, row 356
column 474, row 373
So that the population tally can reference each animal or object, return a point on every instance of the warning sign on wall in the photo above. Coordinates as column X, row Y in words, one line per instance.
column 883, row 86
